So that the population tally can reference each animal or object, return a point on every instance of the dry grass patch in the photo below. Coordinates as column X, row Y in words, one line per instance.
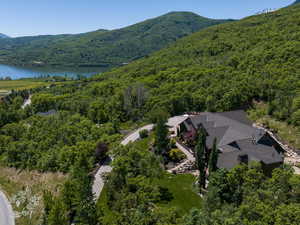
column 25, row 190
column 287, row 133
column 20, row 84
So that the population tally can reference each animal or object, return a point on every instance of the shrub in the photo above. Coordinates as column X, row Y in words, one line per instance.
column 296, row 118
column 144, row 134
column 101, row 151
column 172, row 143
column 176, row 155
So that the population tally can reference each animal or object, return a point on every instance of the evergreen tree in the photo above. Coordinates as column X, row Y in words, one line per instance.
column 213, row 158
column 200, row 156
column 85, row 209
column 48, row 203
column 57, row 214
column 161, row 136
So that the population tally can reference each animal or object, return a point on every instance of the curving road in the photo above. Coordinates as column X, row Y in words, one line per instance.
column 6, row 212
column 106, row 168
column 98, row 179
column 134, row 136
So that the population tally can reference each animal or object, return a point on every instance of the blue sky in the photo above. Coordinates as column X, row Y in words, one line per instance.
column 33, row 17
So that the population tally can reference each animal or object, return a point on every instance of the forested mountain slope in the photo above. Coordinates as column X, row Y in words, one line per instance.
column 101, row 48
column 220, row 68
column 223, row 67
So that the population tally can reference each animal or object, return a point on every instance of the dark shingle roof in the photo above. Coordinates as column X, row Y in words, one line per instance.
column 264, row 153
column 235, row 137
column 238, row 115
column 218, row 132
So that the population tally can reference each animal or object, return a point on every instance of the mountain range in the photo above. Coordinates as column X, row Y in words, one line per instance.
column 222, row 67
column 102, row 47
column 3, row 36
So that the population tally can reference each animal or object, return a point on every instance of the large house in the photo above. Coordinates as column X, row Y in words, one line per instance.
column 237, row 140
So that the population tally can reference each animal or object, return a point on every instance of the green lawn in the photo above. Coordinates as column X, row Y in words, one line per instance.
column 183, row 190
column 181, row 186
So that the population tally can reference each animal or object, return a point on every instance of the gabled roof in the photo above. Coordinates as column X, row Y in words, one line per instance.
column 238, row 115
column 237, row 129
column 176, row 120
column 235, row 137
column 264, row 153
column 218, row 132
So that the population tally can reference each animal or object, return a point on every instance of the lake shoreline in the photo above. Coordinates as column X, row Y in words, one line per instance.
column 17, row 72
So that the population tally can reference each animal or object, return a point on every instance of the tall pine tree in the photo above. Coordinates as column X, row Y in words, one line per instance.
column 213, row 158
column 200, row 156
column 85, row 208
column 161, row 136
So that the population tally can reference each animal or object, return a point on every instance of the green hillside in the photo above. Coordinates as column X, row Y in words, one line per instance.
column 223, row 67
column 220, row 68
column 100, row 48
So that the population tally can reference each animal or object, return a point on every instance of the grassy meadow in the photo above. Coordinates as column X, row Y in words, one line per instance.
column 8, row 85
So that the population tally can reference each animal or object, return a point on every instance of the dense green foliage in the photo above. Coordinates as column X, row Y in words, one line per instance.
column 103, row 48
column 136, row 194
column 223, row 67
column 51, row 143
column 139, row 192
column 220, row 68
column 76, row 201
column 245, row 196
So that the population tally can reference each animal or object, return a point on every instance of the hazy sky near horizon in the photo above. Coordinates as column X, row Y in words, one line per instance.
column 35, row 17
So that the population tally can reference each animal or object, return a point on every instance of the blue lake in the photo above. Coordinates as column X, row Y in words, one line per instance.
column 26, row 72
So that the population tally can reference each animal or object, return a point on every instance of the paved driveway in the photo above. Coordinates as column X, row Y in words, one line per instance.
column 98, row 180
column 136, row 134
column 132, row 137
